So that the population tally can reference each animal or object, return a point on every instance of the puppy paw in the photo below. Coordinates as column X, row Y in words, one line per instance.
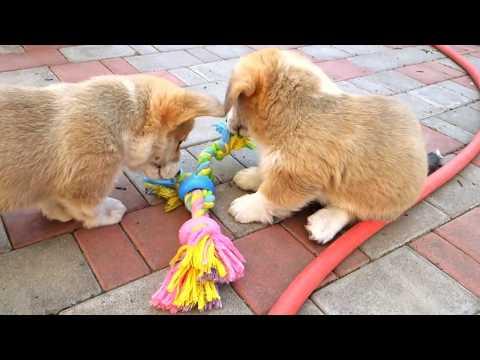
column 248, row 179
column 114, row 210
column 325, row 224
column 111, row 212
column 250, row 208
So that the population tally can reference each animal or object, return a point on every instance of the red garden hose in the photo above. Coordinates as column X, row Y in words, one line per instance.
column 292, row 299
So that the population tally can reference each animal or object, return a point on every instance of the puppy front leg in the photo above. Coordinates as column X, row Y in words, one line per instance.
column 109, row 212
column 248, row 179
column 274, row 198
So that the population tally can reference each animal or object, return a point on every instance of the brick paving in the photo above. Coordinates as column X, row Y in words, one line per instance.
column 427, row 262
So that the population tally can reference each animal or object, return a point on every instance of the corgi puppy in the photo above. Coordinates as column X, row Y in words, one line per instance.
column 63, row 145
column 362, row 157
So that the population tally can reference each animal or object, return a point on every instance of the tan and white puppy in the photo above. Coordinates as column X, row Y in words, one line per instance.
column 363, row 157
column 62, row 146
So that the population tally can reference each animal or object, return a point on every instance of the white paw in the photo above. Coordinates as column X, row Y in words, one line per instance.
column 326, row 223
column 251, row 208
column 110, row 212
column 114, row 210
column 248, row 179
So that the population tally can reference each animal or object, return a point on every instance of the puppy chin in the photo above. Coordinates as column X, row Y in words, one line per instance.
column 170, row 170
column 234, row 128
column 234, row 125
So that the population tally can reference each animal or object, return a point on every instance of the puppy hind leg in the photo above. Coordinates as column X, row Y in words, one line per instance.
column 326, row 223
column 274, row 199
column 53, row 210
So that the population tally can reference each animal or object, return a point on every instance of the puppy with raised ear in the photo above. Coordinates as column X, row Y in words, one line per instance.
column 363, row 157
column 62, row 146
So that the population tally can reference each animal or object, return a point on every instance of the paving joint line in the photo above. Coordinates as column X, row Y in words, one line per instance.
column 455, row 246
column 135, row 247
column 2, row 222
column 447, row 275
column 88, row 263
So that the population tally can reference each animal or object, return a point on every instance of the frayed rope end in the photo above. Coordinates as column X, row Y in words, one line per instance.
column 205, row 259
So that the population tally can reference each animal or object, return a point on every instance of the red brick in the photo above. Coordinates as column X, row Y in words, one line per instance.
column 430, row 73
column 26, row 227
column 422, row 74
column 80, row 71
column 466, row 81
column 130, row 197
column 436, row 140
column 274, row 258
column 31, row 59
column 451, row 72
column 111, row 256
column 451, row 260
column 155, row 233
column 464, row 233
column 342, row 69
column 168, row 76
column 296, row 226
column 41, row 47
column 119, row 66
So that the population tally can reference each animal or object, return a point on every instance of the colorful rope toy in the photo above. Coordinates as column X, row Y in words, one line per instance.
column 206, row 257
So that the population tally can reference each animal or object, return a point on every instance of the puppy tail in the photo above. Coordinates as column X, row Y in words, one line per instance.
column 434, row 161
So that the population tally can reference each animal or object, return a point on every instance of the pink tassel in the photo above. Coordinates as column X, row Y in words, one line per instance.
column 191, row 233
column 227, row 252
column 162, row 299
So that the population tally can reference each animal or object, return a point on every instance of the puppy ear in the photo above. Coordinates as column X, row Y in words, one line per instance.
column 198, row 104
column 241, row 83
column 172, row 106
column 251, row 73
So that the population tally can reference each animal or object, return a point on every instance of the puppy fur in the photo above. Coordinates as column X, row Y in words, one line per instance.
column 62, row 146
column 363, row 157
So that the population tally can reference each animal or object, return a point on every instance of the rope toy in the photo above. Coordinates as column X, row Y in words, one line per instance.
column 206, row 257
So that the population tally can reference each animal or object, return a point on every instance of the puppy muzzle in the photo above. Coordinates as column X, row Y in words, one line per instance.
column 170, row 170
